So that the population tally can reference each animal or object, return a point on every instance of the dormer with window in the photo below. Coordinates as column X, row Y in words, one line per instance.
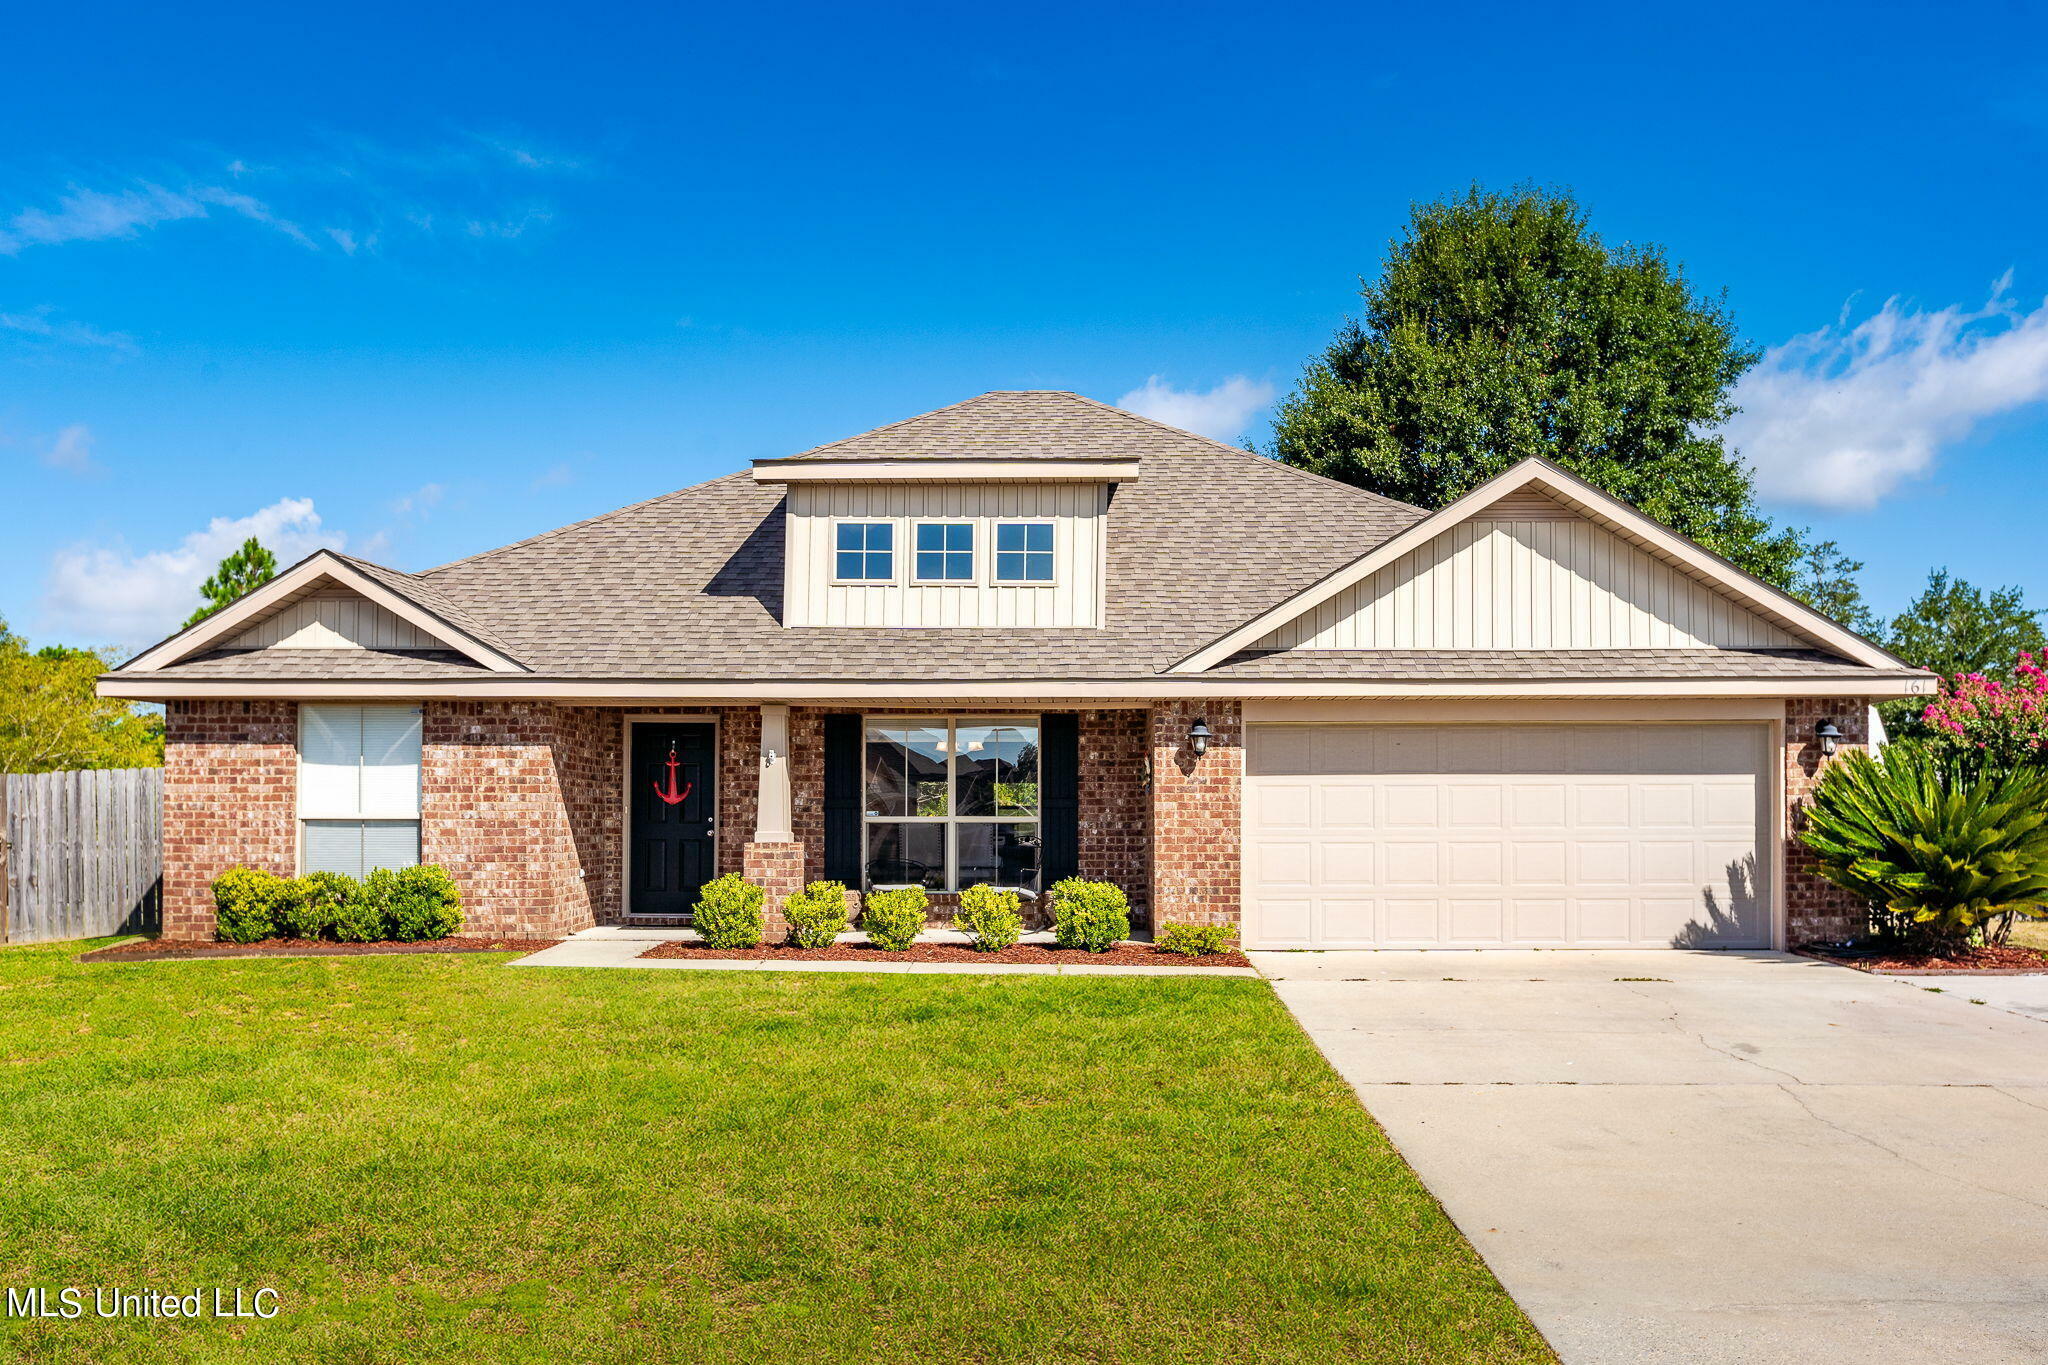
column 939, row 541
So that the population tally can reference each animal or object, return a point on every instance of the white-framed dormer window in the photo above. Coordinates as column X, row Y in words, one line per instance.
column 359, row 788
column 864, row 552
column 1024, row 552
column 943, row 552
column 950, row 802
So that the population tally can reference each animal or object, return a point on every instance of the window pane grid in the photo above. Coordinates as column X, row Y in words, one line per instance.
column 1024, row 552
column 951, row 803
column 945, row 552
column 864, row 551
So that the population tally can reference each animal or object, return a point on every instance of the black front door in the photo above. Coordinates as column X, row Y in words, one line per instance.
column 675, row 799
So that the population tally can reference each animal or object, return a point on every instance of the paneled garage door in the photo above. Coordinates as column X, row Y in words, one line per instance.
column 1494, row 836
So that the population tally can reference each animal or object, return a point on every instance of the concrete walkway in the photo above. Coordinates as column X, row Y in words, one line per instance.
column 2022, row 995
column 1717, row 1159
column 615, row 947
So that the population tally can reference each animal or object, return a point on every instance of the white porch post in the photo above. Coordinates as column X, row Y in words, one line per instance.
column 772, row 818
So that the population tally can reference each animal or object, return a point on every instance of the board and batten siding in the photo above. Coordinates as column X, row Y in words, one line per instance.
column 1545, row 582
column 1078, row 512
column 333, row 621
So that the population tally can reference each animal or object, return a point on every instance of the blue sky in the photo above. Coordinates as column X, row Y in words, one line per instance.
column 420, row 284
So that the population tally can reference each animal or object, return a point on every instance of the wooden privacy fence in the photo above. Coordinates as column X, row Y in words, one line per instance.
column 81, row 854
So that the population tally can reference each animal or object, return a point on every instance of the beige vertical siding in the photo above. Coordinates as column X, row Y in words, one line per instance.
column 333, row 621
column 1542, row 583
column 1077, row 511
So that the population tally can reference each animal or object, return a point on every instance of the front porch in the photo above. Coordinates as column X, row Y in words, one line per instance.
column 539, row 810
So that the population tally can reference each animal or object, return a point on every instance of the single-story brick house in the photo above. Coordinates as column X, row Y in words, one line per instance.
column 1029, row 636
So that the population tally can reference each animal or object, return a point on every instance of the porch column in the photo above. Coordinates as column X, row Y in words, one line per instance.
column 773, row 859
column 771, row 820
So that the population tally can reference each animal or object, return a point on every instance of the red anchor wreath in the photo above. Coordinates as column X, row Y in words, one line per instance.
column 670, row 794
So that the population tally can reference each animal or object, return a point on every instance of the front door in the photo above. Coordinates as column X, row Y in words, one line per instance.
column 674, row 803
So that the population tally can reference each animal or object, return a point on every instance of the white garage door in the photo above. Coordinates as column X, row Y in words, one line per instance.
column 1495, row 836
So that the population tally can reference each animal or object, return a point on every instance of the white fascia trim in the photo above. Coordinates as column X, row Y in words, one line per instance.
column 321, row 564
column 935, row 470
column 1787, row 610
column 971, row 693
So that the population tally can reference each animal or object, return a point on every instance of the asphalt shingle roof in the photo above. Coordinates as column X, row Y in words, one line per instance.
column 688, row 586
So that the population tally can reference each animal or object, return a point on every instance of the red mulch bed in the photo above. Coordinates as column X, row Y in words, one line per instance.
column 1021, row 955
column 176, row 949
column 1995, row 961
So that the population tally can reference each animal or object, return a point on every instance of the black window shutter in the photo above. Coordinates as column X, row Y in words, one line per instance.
column 842, row 800
column 1059, row 796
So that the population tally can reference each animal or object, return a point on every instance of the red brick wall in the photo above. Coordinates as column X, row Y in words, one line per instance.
column 230, row 797
column 497, row 780
column 1196, row 830
column 1116, row 809
column 1815, row 908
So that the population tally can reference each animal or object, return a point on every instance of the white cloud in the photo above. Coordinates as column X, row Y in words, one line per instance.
column 101, row 594
column 38, row 324
column 72, row 450
column 1842, row 416
column 85, row 215
column 1222, row 413
column 418, row 502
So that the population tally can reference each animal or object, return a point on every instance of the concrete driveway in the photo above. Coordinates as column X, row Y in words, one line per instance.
column 1712, row 1157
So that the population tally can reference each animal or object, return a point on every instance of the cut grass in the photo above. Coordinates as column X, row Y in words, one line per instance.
column 2030, row 933
column 436, row 1158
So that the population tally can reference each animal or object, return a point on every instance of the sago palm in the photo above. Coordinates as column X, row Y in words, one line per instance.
column 1946, row 852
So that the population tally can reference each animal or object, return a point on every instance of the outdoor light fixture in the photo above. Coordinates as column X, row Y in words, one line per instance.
column 1198, row 738
column 1829, row 737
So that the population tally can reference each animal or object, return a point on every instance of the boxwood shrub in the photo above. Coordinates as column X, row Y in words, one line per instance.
column 425, row 903
column 309, row 908
column 1090, row 915
column 728, row 913
column 893, row 919
column 816, row 914
column 989, row 918
column 246, row 903
column 1196, row 940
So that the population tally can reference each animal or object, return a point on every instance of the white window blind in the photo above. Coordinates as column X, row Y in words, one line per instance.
column 359, row 787
column 360, row 762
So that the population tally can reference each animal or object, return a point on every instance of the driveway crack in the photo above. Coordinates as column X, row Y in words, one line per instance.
column 1671, row 1018
column 1897, row 1155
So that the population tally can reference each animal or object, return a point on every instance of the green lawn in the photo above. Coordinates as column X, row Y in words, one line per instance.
column 436, row 1158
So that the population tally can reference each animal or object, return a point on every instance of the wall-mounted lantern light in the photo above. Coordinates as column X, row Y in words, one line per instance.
column 1198, row 737
column 1830, row 738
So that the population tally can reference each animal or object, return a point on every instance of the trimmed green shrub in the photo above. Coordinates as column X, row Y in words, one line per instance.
column 1196, row 940
column 816, row 914
column 1091, row 915
column 366, row 916
column 309, row 910
column 893, row 919
column 989, row 918
column 1939, row 850
column 425, row 903
column 246, row 902
column 728, row 913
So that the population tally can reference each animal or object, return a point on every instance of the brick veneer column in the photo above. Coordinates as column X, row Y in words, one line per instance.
column 230, row 798
column 1115, row 808
column 777, row 869
column 1815, row 908
column 1196, row 804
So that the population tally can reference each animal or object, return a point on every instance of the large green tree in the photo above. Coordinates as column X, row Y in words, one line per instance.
column 1954, row 627
column 50, row 719
column 1503, row 327
column 1825, row 579
column 249, row 567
